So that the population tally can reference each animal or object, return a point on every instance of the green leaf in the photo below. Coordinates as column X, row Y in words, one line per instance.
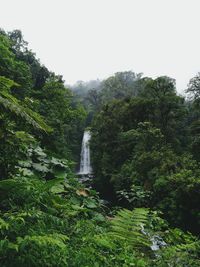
column 90, row 203
column 40, row 167
column 57, row 189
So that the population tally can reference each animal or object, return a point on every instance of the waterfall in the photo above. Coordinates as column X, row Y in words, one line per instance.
column 85, row 165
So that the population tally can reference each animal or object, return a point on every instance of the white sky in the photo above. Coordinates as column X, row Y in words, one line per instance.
column 89, row 39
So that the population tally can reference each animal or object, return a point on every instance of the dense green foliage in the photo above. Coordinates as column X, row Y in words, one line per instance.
column 145, row 143
column 35, row 88
column 145, row 151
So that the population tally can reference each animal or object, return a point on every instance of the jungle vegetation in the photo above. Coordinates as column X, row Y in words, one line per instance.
column 142, row 206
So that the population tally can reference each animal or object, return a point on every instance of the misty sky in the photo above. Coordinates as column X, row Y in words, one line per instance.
column 89, row 39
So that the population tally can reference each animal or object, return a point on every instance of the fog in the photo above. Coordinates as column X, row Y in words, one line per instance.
column 90, row 39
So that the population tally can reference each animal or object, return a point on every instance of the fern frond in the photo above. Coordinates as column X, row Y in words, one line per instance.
column 6, row 83
column 127, row 226
column 11, row 104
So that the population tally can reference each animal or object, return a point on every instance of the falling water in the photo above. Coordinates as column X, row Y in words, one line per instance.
column 85, row 165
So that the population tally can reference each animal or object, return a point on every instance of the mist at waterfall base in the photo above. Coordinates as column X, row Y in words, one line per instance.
column 85, row 163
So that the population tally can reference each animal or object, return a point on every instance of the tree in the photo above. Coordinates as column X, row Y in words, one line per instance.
column 194, row 88
column 194, row 114
column 170, row 112
column 108, row 151
column 121, row 85
column 14, row 69
column 63, row 115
